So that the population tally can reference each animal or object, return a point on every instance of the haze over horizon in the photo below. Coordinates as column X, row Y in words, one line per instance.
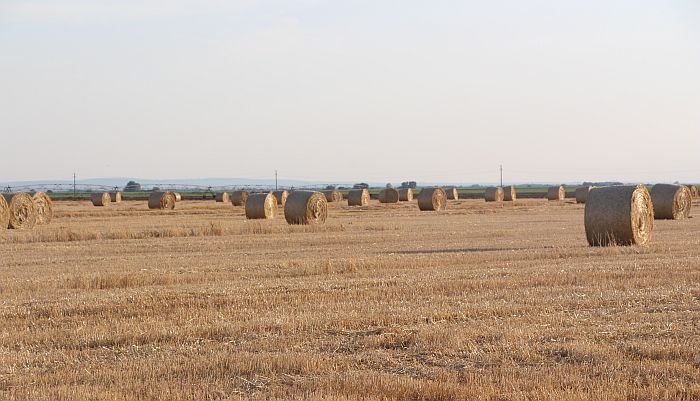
column 359, row 90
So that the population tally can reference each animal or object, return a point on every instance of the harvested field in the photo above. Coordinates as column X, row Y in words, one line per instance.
column 484, row 301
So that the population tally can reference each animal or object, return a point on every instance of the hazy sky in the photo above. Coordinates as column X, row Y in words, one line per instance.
column 350, row 90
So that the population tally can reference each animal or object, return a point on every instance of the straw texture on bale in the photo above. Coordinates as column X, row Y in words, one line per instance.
column 556, row 193
column 432, row 199
column 161, row 200
column 101, row 199
column 509, row 193
column 333, row 196
column 44, row 208
column 178, row 196
column 281, row 197
column 452, row 193
column 619, row 215
column 22, row 211
column 260, row 206
column 405, row 194
column 4, row 213
column 239, row 198
column 115, row 197
column 494, row 194
column 223, row 197
column 671, row 202
column 358, row 197
column 306, row 207
column 582, row 194
column 693, row 190
column 389, row 195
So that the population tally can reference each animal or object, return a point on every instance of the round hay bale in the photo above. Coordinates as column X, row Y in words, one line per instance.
column 178, row 196
column 260, row 206
column 101, row 199
column 4, row 213
column 509, row 193
column 405, row 194
column 161, row 200
column 494, row 194
column 671, row 202
column 582, row 193
column 223, row 197
column 358, row 197
column 556, row 193
column 115, row 197
column 44, row 208
column 281, row 197
column 619, row 215
column 306, row 207
column 432, row 199
column 389, row 195
column 693, row 190
column 333, row 196
column 239, row 198
column 22, row 211
column 452, row 193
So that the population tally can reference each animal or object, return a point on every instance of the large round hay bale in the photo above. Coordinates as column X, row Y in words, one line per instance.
column 451, row 193
column 432, row 199
column 509, row 193
column 306, row 207
column 260, row 206
column 44, row 208
column 281, row 197
column 115, row 197
column 494, row 194
column 161, row 200
column 619, row 215
column 223, row 197
column 178, row 196
column 101, row 199
column 22, row 211
column 389, row 195
column 671, row 202
column 693, row 190
column 556, row 193
column 582, row 193
column 333, row 196
column 239, row 198
column 405, row 194
column 358, row 197
column 4, row 213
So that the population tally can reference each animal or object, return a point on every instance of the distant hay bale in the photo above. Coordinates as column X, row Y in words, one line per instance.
column 389, row 195
column 619, row 215
column 582, row 193
column 405, row 195
column 178, row 196
column 44, row 208
column 281, row 197
column 556, row 193
column 161, row 200
column 509, row 193
column 333, row 196
column 4, row 213
column 260, row 206
column 693, row 190
column 671, row 202
column 115, row 197
column 223, row 197
column 358, row 197
column 494, row 194
column 432, row 199
column 22, row 211
column 451, row 193
column 101, row 199
column 306, row 207
column 239, row 198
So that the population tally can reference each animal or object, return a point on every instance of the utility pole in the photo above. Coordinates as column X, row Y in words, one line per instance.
column 74, row 185
column 501, row 176
column 275, row 180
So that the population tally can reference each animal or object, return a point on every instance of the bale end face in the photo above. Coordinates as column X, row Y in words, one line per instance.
column 306, row 207
column 44, row 208
column 22, row 211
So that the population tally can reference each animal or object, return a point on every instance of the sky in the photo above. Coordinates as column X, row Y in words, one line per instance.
column 352, row 90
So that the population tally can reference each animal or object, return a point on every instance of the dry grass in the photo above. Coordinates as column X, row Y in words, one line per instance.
column 481, row 302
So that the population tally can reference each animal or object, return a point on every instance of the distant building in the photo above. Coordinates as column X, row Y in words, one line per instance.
column 361, row 185
column 132, row 186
